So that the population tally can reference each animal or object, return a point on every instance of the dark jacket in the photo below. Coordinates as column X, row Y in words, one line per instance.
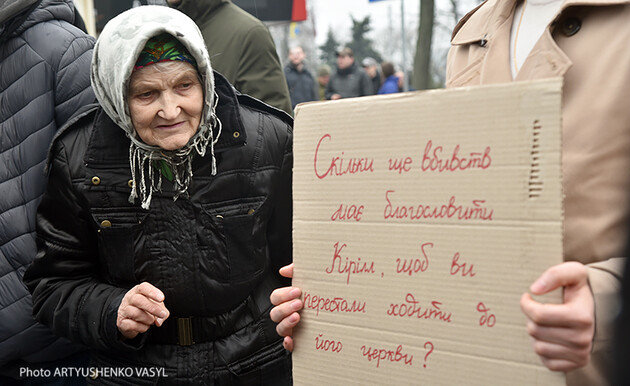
column 622, row 334
column 215, row 253
column 349, row 83
column 301, row 85
column 241, row 49
column 44, row 79
column 376, row 82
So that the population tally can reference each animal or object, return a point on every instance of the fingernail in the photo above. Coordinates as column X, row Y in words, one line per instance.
column 163, row 314
column 296, row 305
column 293, row 318
column 295, row 292
column 159, row 321
column 538, row 286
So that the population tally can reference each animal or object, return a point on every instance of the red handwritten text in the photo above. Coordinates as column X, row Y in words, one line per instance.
column 487, row 318
column 345, row 212
column 327, row 344
column 350, row 266
column 456, row 267
column 414, row 265
column 339, row 165
column 450, row 210
column 337, row 304
column 434, row 161
column 411, row 308
column 386, row 355
column 400, row 164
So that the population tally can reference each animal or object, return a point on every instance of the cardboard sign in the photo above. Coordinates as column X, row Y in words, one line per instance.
column 419, row 221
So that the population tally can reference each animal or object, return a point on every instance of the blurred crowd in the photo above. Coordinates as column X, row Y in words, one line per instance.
column 350, row 78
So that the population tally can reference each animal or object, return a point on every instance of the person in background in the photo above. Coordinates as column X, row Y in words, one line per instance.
column 348, row 81
column 171, row 203
column 323, row 77
column 391, row 84
column 511, row 40
column 370, row 66
column 401, row 81
column 241, row 49
column 45, row 79
column 299, row 79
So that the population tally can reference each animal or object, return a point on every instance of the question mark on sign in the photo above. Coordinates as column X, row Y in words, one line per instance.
column 429, row 352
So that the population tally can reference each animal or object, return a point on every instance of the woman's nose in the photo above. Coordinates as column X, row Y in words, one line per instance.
column 169, row 108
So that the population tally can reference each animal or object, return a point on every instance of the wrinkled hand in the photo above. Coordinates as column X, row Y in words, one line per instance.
column 287, row 303
column 141, row 307
column 563, row 333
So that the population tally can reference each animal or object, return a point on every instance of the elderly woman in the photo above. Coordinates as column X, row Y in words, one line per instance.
column 167, row 216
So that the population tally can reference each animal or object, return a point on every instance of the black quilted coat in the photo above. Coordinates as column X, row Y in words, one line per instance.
column 214, row 253
column 44, row 79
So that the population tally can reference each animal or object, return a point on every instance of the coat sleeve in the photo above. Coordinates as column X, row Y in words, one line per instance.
column 279, row 233
column 605, row 280
column 259, row 72
column 64, row 277
column 72, row 82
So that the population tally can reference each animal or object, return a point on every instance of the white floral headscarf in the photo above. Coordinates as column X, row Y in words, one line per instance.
column 115, row 54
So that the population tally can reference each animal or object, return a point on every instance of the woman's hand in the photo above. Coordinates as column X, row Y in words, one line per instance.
column 563, row 333
column 142, row 306
column 287, row 304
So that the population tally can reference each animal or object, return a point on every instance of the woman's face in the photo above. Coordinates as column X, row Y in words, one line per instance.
column 165, row 103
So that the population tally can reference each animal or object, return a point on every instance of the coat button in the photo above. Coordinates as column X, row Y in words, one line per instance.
column 130, row 183
column 570, row 26
column 106, row 223
column 250, row 212
column 96, row 180
column 236, row 134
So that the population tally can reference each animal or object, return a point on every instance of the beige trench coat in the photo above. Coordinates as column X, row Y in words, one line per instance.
column 588, row 45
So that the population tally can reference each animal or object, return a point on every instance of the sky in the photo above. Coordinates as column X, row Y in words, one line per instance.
column 336, row 15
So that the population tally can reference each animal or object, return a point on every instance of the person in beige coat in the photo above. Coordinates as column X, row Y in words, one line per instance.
column 586, row 43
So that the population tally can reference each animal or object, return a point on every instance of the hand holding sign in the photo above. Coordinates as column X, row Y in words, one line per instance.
column 563, row 333
column 287, row 304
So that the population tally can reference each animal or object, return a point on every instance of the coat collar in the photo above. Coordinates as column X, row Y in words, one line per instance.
column 199, row 10
column 480, row 23
column 489, row 25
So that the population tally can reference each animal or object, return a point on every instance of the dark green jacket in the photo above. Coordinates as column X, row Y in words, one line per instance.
column 241, row 49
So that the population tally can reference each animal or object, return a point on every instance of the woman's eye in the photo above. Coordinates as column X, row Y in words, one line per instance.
column 185, row 85
column 144, row 95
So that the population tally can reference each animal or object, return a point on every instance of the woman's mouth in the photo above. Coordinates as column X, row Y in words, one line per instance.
column 170, row 127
